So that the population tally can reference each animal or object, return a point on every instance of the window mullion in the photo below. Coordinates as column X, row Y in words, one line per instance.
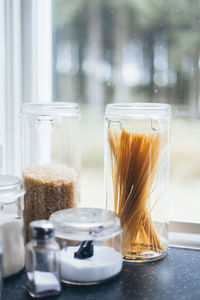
column 37, row 50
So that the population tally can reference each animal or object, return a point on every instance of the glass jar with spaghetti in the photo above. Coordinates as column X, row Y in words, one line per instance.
column 136, row 175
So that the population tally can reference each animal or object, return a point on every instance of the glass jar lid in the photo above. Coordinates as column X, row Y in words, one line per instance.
column 8, row 182
column 53, row 109
column 10, row 188
column 85, row 224
column 138, row 110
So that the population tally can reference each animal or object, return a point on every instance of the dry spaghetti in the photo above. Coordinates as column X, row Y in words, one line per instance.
column 134, row 160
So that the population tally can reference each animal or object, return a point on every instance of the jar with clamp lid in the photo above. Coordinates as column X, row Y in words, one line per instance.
column 136, row 176
column 90, row 241
column 51, row 158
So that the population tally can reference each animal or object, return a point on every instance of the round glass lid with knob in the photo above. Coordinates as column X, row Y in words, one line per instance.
column 86, row 223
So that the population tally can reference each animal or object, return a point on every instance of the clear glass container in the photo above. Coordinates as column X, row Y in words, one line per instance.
column 90, row 240
column 51, row 158
column 136, row 176
column 1, row 154
column 11, row 224
column 1, row 269
column 42, row 260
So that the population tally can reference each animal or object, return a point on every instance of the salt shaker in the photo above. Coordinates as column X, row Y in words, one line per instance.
column 42, row 260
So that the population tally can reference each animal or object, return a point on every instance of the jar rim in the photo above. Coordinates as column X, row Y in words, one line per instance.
column 85, row 223
column 8, row 182
column 10, row 189
column 138, row 110
column 52, row 108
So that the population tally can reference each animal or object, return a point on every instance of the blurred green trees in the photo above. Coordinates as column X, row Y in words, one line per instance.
column 130, row 50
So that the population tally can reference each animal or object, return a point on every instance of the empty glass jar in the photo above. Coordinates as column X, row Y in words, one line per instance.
column 90, row 240
column 136, row 175
column 51, row 158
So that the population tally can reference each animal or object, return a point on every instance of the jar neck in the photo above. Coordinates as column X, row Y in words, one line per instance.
column 11, row 195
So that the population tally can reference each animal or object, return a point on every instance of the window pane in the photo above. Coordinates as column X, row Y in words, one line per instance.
column 123, row 51
column 185, row 168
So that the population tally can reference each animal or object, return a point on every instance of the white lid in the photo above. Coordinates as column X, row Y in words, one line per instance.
column 85, row 223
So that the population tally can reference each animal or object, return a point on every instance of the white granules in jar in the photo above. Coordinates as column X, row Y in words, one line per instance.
column 49, row 188
column 44, row 281
column 104, row 264
column 12, row 244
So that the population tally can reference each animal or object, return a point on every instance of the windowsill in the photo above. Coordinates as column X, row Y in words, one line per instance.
column 184, row 240
column 184, row 235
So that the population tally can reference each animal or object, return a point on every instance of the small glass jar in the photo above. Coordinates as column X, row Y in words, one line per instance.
column 90, row 240
column 1, row 270
column 51, row 158
column 136, row 176
column 42, row 260
column 11, row 224
column 1, row 154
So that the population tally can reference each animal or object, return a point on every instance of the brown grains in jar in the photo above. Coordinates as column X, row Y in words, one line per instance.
column 48, row 188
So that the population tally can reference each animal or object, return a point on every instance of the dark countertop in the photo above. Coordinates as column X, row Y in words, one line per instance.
column 176, row 277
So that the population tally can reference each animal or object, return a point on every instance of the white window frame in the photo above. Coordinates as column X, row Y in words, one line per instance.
column 37, row 50
column 11, row 80
column 25, row 69
column 2, row 81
